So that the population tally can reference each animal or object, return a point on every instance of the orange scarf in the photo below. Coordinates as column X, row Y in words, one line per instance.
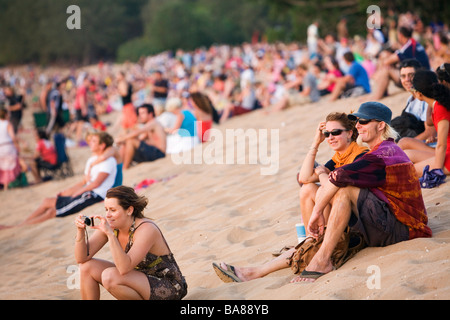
column 349, row 155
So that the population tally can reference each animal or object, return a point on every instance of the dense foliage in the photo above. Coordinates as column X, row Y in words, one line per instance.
column 36, row 30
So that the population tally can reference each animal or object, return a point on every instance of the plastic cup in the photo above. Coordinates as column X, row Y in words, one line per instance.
column 301, row 232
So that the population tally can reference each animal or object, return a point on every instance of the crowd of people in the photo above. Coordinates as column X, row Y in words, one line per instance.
column 166, row 104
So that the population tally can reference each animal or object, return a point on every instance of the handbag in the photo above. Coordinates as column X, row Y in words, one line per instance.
column 431, row 178
column 344, row 250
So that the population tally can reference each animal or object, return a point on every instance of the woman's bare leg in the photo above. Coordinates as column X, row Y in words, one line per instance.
column 91, row 278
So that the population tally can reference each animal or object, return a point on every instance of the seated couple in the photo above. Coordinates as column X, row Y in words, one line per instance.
column 99, row 177
column 146, row 144
column 360, row 194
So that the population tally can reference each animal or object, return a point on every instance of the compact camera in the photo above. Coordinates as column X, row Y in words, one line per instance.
column 89, row 221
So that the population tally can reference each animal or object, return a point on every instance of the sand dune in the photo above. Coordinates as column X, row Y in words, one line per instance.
column 232, row 213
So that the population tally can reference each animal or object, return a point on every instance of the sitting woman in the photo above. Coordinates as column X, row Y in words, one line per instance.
column 143, row 266
column 204, row 113
column 427, row 88
column 326, row 86
column 183, row 135
column 341, row 134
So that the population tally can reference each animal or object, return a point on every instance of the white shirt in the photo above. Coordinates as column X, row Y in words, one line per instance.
column 108, row 166
column 417, row 108
column 312, row 33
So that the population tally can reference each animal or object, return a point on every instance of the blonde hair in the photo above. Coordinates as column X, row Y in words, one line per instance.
column 173, row 104
column 390, row 132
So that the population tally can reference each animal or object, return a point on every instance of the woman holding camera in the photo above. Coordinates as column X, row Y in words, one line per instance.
column 143, row 266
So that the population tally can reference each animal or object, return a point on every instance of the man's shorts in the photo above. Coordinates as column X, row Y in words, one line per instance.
column 376, row 223
column 146, row 153
column 66, row 206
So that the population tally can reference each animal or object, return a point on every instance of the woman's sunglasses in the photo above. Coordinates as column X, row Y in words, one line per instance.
column 334, row 133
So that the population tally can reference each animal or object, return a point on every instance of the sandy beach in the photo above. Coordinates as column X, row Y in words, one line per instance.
column 232, row 213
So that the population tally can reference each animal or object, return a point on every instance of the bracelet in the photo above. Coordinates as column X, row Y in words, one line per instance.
column 314, row 148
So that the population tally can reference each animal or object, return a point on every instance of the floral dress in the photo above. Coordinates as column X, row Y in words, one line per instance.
column 163, row 274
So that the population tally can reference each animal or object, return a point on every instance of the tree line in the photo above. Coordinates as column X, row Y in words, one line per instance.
column 35, row 31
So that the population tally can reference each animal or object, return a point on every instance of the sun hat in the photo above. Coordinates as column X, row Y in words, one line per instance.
column 373, row 111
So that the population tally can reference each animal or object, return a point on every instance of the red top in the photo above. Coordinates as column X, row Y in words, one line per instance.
column 81, row 92
column 47, row 151
column 441, row 113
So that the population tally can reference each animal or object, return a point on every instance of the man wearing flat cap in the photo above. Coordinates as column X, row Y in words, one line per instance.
column 378, row 196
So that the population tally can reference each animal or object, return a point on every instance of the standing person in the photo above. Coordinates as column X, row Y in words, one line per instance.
column 9, row 155
column 145, row 144
column 14, row 108
column 143, row 267
column 427, row 88
column 312, row 39
column 54, row 110
column 81, row 109
column 87, row 192
column 160, row 91
column 129, row 115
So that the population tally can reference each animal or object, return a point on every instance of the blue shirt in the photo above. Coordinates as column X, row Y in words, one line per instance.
column 360, row 75
column 188, row 125
column 413, row 49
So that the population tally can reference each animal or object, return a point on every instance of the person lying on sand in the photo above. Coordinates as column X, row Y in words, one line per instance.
column 365, row 191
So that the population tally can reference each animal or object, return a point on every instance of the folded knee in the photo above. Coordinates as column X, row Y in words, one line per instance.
column 308, row 190
column 348, row 193
column 110, row 277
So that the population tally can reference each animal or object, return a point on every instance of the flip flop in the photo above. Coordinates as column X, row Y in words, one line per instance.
column 228, row 275
column 311, row 274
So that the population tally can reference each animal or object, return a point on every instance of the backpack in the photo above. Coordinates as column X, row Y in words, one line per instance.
column 407, row 125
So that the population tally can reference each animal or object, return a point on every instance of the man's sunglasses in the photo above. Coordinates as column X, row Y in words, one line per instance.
column 334, row 133
column 365, row 121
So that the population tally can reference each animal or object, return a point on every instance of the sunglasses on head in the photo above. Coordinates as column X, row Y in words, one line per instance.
column 334, row 133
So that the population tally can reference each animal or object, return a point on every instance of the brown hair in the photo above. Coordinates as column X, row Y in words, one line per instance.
column 3, row 113
column 348, row 124
column 103, row 137
column 202, row 101
column 127, row 198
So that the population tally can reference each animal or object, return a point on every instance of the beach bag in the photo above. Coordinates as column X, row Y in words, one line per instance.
column 407, row 125
column 344, row 250
column 431, row 178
